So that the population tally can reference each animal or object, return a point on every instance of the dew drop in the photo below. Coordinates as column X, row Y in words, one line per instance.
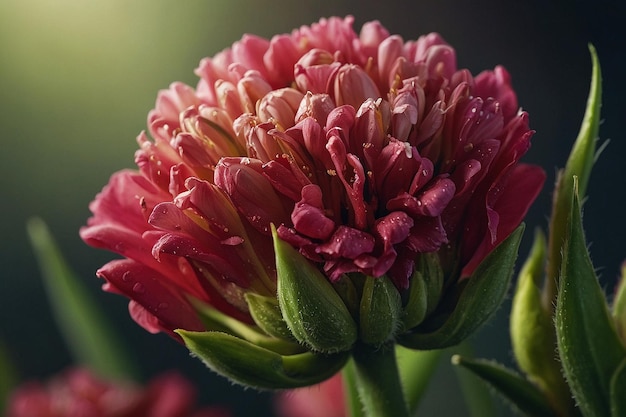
column 163, row 306
column 126, row 276
column 139, row 288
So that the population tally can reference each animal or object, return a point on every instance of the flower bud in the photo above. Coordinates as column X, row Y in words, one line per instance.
column 353, row 86
column 532, row 332
column 619, row 306
column 279, row 107
column 312, row 309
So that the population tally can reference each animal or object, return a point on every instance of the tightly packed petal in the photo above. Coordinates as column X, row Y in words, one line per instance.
column 362, row 149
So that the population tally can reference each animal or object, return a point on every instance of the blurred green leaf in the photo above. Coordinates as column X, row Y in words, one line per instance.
column 618, row 391
column 8, row 376
column 477, row 397
column 521, row 393
column 86, row 331
column 589, row 348
column 416, row 369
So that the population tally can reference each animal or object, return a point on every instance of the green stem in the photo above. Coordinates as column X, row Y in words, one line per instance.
column 378, row 382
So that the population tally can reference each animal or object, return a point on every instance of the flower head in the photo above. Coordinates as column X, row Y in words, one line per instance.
column 364, row 150
column 77, row 392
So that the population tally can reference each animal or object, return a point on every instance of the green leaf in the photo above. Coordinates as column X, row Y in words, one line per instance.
column 314, row 312
column 579, row 164
column 380, row 311
column 588, row 345
column 521, row 393
column 582, row 156
column 480, row 297
column 416, row 369
column 86, row 331
column 618, row 391
column 245, row 363
column 532, row 332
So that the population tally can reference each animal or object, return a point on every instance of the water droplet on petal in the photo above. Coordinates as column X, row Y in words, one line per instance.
column 126, row 276
column 139, row 288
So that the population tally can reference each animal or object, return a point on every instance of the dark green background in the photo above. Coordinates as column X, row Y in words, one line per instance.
column 77, row 79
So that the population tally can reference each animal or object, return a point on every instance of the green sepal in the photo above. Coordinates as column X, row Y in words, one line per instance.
column 619, row 306
column 266, row 314
column 618, row 391
column 415, row 309
column 480, row 296
column 521, row 393
column 216, row 321
column 589, row 348
column 579, row 164
column 314, row 312
column 247, row 364
column 532, row 331
column 347, row 290
column 380, row 311
column 430, row 267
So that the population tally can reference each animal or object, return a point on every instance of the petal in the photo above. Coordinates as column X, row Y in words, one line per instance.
column 347, row 242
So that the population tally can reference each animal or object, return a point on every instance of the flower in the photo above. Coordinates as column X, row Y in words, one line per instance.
column 365, row 151
column 77, row 392
column 321, row 400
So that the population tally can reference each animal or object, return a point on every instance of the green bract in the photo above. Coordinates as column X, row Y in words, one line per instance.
column 380, row 311
column 475, row 300
column 254, row 366
column 314, row 312
column 589, row 348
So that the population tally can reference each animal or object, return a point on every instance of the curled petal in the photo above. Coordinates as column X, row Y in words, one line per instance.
column 347, row 242
column 308, row 215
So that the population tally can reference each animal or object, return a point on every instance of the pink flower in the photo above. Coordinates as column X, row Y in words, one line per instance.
column 363, row 149
column 77, row 392
column 321, row 400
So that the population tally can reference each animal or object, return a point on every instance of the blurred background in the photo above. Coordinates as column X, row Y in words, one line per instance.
column 78, row 78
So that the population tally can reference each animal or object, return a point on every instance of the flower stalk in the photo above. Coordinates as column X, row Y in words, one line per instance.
column 378, row 381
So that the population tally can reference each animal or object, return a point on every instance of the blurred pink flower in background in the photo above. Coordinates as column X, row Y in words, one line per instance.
column 364, row 150
column 79, row 393
column 322, row 400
